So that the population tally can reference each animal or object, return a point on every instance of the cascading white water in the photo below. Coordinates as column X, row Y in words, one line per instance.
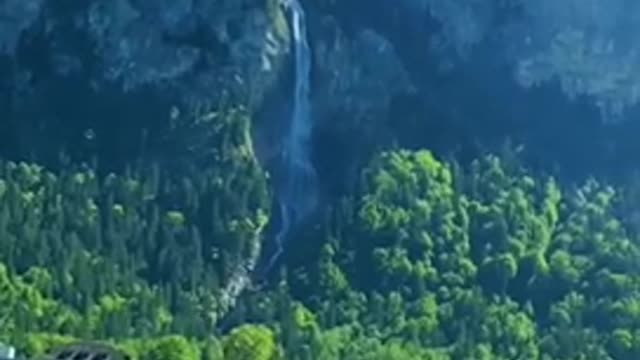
column 297, row 193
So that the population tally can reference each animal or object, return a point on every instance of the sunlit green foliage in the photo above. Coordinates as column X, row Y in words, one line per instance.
column 426, row 261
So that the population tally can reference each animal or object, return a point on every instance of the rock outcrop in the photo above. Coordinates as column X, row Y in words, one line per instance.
column 111, row 68
column 356, row 74
column 192, row 46
column 101, row 69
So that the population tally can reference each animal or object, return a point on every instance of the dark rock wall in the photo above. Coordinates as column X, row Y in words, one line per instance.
column 79, row 78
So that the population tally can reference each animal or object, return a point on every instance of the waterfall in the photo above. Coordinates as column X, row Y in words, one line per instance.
column 297, row 193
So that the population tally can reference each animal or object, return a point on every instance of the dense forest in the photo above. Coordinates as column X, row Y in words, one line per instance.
column 455, row 218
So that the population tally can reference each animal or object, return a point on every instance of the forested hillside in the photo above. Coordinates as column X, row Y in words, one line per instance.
column 427, row 261
column 320, row 180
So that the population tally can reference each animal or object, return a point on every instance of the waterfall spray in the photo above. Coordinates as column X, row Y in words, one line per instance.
column 297, row 192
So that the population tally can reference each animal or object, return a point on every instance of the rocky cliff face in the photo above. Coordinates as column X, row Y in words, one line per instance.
column 93, row 70
column 195, row 47
column 358, row 74
column 107, row 70
column 120, row 70
column 89, row 72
